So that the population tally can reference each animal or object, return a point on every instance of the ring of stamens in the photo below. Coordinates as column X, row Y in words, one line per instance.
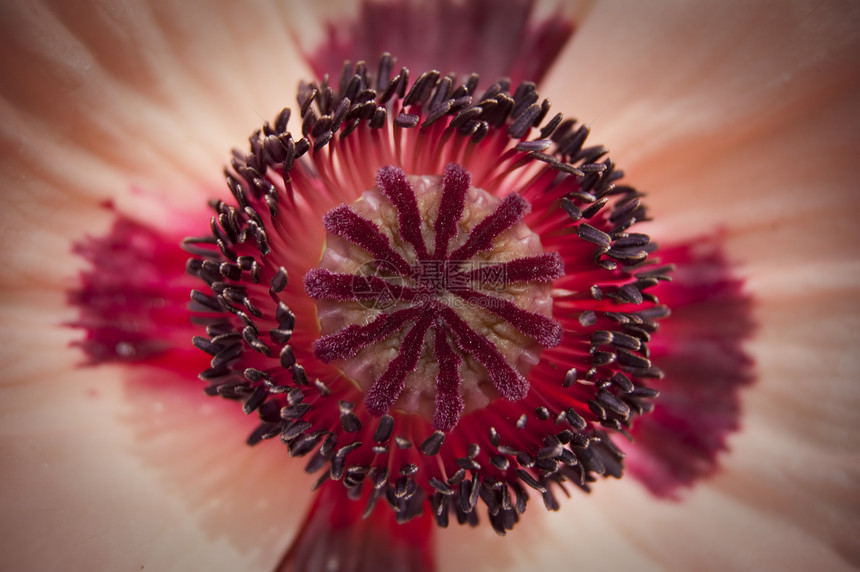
column 260, row 326
column 471, row 311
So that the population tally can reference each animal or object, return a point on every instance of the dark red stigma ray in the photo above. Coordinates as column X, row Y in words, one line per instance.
column 347, row 342
column 455, row 184
column 342, row 221
column 449, row 402
column 511, row 211
column 385, row 390
column 508, row 381
column 537, row 268
column 392, row 181
column 322, row 284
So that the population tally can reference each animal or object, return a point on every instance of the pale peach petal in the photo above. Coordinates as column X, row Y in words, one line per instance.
column 730, row 116
column 137, row 104
column 581, row 536
column 728, row 534
column 104, row 475
column 128, row 102
column 760, row 144
column 746, row 120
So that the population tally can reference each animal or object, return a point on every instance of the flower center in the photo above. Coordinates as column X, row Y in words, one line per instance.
column 433, row 295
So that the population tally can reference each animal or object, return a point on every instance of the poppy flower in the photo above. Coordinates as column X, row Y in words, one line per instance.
column 735, row 123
